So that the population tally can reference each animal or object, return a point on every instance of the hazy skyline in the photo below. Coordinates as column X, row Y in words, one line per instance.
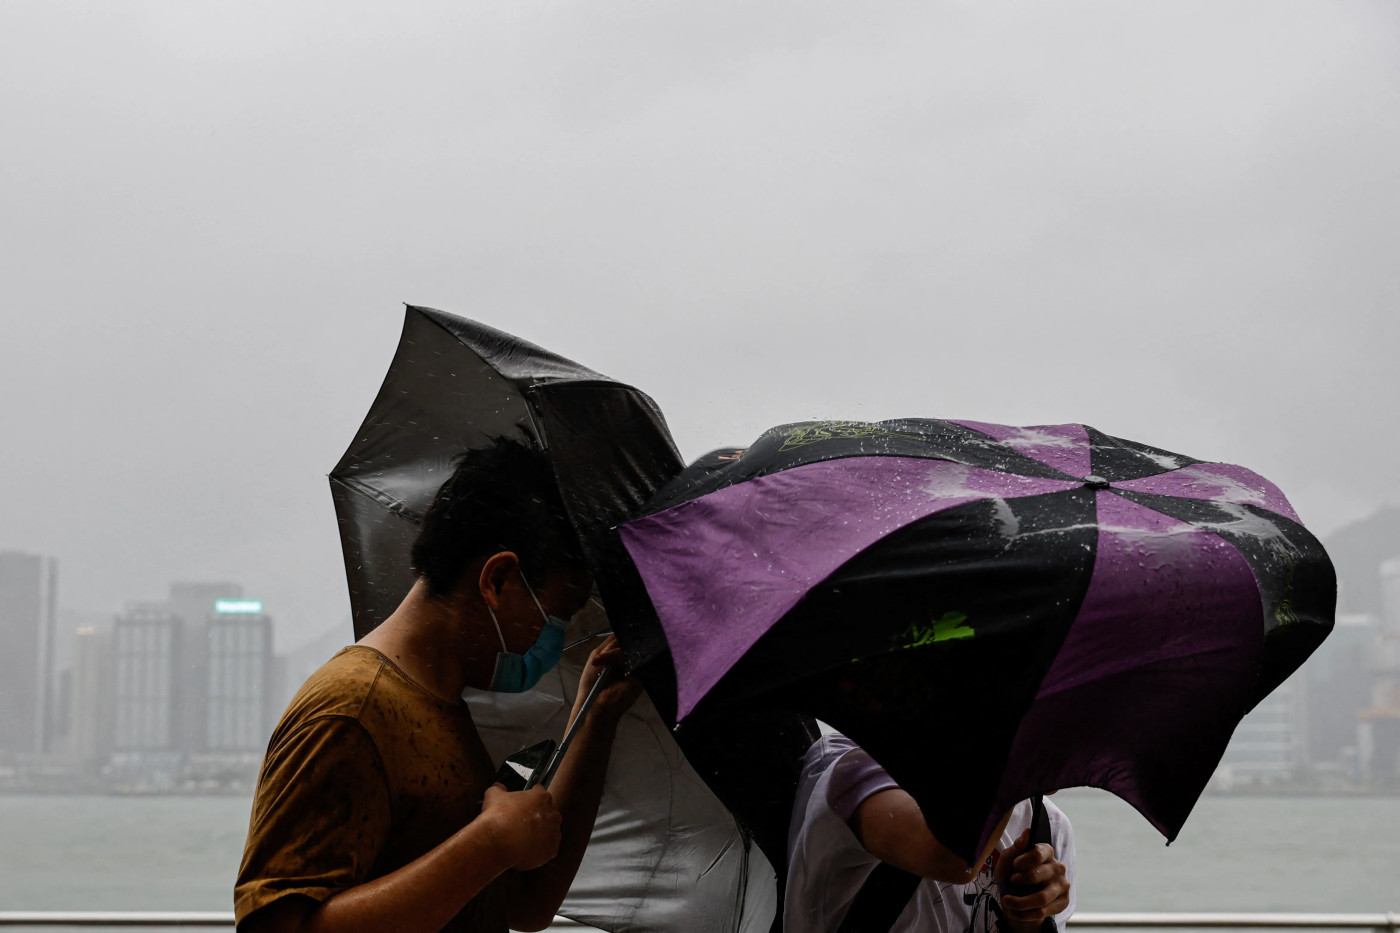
column 1174, row 221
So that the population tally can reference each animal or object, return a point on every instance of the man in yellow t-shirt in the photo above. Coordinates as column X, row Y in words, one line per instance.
column 375, row 808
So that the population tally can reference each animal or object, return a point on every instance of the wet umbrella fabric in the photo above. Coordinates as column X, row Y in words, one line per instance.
column 455, row 385
column 993, row 612
column 665, row 850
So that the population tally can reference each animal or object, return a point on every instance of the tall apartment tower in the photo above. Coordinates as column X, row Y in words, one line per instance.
column 146, row 661
column 1378, row 725
column 1270, row 743
column 1339, row 685
column 28, row 593
column 195, row 605
column 239, row 698
column 90, row 706
column 1390, row 598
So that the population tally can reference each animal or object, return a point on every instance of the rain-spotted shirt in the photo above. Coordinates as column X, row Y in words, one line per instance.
column 366, row 772
column 827, row 864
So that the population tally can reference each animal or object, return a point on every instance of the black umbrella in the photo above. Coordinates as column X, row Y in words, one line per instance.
column 455, row 385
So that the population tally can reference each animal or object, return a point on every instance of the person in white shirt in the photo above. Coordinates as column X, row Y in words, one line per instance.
column 850, row 816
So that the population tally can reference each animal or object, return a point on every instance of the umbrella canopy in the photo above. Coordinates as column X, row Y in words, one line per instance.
column 665, row 852
column 993, row 612
column 455, row 385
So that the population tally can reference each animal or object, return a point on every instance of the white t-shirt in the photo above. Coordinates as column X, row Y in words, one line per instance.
column 827, row 864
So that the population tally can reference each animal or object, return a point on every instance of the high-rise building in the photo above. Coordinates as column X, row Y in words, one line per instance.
column 1390, row 598
column 146, row 658
column 1378, row 725
column 28, row 587
column 90, row 706
column 1339, row 686
column 1270, row 743
column 238, row 700
column 194, row 605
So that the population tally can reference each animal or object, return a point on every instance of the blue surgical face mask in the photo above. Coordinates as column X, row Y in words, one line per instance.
column 516, row 673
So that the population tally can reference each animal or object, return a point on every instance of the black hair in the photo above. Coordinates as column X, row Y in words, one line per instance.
column 502, row 497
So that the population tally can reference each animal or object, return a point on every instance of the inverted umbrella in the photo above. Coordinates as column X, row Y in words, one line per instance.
column 665, row 851
column 993, row 612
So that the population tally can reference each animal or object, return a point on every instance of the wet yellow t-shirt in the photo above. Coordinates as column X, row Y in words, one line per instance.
column 366, row 772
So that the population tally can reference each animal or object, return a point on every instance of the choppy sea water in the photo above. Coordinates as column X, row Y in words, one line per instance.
column 1236, row 853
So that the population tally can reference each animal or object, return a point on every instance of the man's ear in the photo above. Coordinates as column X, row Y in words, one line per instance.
column 500, row 569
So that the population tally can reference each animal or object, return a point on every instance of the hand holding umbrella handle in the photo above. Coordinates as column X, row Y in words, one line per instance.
column 544, row 775
column 1040, row 832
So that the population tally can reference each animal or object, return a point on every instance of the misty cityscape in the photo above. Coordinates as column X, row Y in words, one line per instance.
column 174, row 695
column 1175, row 222
column 180, row 695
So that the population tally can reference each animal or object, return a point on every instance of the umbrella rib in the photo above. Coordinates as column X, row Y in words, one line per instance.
column 390, row 503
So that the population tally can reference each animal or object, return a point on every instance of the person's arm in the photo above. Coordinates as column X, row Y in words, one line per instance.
column 577, row 788
column 891, row 827
column 519, row 830
column 1027, row 866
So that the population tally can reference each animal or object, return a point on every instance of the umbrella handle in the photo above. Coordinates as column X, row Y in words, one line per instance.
column 1040, row 832
column 545, row 775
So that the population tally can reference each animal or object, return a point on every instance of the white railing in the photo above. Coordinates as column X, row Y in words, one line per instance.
column 155, row 918
column 1381, row 923
column 1388, row 922
column 116, row 918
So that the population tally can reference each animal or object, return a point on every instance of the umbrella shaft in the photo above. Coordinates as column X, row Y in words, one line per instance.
column 546, row 775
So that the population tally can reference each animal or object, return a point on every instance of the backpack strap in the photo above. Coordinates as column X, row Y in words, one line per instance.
column 880, row 900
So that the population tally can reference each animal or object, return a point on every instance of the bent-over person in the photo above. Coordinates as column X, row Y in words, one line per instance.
column 376, row 807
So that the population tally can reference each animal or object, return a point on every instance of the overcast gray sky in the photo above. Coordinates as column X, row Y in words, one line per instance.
column 1176, row 221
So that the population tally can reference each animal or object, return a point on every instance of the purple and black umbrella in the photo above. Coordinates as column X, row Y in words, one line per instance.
column 993, row 612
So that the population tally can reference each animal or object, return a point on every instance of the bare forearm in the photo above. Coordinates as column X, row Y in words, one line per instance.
column 420, row 897
column 578, row 785
column 891, row 827
column 577, row 789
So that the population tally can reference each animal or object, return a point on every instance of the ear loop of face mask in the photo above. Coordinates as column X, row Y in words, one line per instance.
column 514, row 672
column 498, row 627
column 494, row 621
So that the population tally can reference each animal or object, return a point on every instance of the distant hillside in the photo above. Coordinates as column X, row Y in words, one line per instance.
column 1357, row 551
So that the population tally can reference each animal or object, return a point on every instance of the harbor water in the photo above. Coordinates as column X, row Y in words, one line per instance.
column 1315, row 854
